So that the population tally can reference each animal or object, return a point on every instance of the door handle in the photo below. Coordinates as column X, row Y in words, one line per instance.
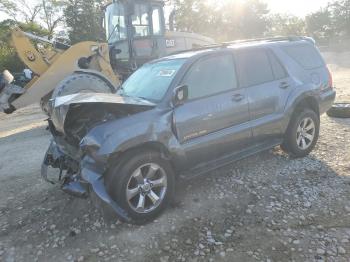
column 284, row 85
column 237, row 97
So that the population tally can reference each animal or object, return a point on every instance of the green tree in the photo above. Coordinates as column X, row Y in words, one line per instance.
column 229, row 20
column 319, row 25
column 83, row 19
column 21, row 10
column 285, row 25
column 47, row 13
column 8, row 56
column 52, row 15
column 341, row 16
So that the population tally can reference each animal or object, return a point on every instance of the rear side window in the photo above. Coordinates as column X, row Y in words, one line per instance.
column 277, row 68
column 253, row 67
column 211, row 75
column 305, row 55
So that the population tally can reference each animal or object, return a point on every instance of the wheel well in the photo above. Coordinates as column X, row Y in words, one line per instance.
column 308, row 102
column 152, row 146
column 155, row 146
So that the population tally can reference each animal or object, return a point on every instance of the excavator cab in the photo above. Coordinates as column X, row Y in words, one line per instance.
column 135, row 32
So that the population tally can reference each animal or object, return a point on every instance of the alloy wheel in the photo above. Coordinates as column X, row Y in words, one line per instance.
column 305, row 133
column 146, row 188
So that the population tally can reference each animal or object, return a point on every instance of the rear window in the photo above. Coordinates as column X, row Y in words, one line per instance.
column 278, row 70
column 305, row 55
column 253, row 67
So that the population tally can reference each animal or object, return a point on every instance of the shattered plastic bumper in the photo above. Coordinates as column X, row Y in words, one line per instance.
column 96, row 181
column 89, row 176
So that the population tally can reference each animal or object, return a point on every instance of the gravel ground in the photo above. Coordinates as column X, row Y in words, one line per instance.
column 264, row 208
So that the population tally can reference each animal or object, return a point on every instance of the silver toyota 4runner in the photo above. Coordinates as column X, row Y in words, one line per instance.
column 186, row 114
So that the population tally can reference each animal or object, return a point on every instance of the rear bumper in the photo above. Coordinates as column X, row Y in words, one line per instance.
column 326, row 100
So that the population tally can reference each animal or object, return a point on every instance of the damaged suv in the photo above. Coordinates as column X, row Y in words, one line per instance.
column 187, row 114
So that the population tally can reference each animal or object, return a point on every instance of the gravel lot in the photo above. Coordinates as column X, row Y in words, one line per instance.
column 265, row 208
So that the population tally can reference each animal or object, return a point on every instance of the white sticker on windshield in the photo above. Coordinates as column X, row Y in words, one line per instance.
column 166, row 72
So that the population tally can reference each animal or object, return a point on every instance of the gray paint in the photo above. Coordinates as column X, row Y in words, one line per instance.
column 208, row 132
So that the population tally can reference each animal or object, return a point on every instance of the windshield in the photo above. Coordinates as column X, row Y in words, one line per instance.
column 115, row 23
column 152, row 80
column 146, row 20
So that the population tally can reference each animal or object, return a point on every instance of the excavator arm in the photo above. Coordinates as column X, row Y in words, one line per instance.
column 51, row 63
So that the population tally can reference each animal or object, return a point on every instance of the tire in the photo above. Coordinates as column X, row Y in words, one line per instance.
column 125, row 176
column 73, row 84
column 339, row 110
column 81, row 83
column 293, row 141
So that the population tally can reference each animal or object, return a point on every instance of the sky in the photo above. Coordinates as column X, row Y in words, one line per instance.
column 295, row 7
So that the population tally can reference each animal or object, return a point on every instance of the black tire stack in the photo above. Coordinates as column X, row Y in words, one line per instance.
column 339, row 110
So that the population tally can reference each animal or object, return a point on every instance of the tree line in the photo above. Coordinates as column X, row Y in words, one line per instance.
column 81, row 20
column 232, row 20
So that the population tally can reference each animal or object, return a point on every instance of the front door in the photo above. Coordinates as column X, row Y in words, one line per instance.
column 214, row 121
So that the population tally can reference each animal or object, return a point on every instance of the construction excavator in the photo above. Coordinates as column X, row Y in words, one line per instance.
column 135, row 34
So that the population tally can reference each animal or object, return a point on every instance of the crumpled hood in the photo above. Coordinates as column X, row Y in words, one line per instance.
column 81, row 98
column 89, row 104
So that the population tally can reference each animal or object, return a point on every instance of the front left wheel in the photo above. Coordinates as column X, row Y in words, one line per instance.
column 142, row 184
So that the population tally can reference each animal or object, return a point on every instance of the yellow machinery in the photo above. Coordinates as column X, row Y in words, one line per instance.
column 51, row 65
column 135, row 31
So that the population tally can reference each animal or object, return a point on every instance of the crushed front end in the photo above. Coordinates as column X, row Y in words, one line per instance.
column 74, row 152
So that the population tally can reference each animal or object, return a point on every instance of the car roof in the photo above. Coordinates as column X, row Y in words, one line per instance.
column 261, row 42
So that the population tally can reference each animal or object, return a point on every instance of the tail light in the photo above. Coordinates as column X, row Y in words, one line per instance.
column 330, row 78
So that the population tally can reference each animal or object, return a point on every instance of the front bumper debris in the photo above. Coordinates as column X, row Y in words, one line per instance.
column 79, row 180
column 97, row 184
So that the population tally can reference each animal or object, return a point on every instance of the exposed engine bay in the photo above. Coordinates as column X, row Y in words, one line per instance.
column 72, row 117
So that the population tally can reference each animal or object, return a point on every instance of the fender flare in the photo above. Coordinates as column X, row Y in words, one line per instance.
column 293, row 102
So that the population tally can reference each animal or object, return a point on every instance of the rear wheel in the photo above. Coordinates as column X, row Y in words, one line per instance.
column 142, row 184
column 302, row 133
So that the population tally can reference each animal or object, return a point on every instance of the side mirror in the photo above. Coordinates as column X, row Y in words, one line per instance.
column 180, row 95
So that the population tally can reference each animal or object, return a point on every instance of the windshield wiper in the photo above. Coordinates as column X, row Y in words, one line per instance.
column 113, row 31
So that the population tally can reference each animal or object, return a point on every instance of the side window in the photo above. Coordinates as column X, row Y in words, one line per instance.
column 278, row 70
column 253, row 67
column 140, row 20
column 211, row 75
column 305, row 55
column 156, row 21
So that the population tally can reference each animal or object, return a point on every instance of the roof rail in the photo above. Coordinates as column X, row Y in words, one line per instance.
column 199, row 48
column 264, row 39
column 268, row 39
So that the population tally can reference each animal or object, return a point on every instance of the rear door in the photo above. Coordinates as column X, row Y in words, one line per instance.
column 268, row 87
column 214, row 120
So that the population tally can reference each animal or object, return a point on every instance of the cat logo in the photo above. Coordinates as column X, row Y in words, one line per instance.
column 170, row 43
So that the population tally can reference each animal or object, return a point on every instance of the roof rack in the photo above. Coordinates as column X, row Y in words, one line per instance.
column 264, row 39
column 267, row 39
